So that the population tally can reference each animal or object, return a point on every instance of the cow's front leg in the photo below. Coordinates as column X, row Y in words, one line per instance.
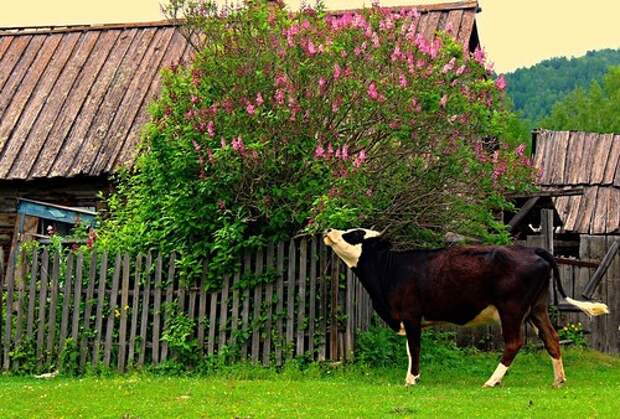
column 413, row 351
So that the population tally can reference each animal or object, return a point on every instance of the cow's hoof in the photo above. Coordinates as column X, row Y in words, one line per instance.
column 411, row 380
column 402, row 331
column 491, row 384
column 559, row 383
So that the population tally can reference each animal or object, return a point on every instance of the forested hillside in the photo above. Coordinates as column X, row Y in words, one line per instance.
column 535, row 90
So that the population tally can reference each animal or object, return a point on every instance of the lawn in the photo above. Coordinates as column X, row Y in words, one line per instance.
column 448, row 389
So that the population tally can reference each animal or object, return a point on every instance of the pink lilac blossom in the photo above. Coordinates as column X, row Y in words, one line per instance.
column 448, row 66
column 443, row 101
column 322, row 83
column 211, row 128
column 237, row 144
column 520, row 150
column 279, row 96
column 250, row 108
column 360, row 158
column 319, row 152
column 259, row 99
column 337, row 71
column 500, row 82
column 479, row 55
column 402, row 80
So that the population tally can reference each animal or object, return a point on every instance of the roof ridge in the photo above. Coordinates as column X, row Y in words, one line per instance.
column 48, row 29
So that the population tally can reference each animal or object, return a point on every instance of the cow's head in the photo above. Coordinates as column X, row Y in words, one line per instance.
column 349, row 244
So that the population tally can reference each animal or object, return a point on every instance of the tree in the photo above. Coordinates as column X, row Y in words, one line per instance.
column 294, row 122
column 594, row 110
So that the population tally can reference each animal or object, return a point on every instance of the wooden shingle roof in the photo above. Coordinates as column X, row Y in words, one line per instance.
column 73, row 100
column 568, row 159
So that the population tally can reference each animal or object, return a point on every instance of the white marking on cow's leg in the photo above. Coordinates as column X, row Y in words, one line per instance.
column 558, row 372
column 410, row 379
column 497, row 376
column 402, row 332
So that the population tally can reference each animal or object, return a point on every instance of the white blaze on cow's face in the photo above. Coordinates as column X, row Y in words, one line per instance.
column 348, row 243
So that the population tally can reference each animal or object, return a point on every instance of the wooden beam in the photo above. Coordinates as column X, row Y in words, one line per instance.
column 550, row 193
column 525, row 209
column 600, row 271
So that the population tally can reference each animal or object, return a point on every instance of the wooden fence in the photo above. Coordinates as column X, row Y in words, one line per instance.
column 120, row 310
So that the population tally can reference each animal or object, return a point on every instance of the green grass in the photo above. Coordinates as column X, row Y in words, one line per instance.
column 448, row 389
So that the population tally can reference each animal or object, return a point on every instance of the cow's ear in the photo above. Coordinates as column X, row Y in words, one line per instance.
column 354, row 237
column 378, row 243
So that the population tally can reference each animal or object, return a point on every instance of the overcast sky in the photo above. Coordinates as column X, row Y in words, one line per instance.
column 515, row 33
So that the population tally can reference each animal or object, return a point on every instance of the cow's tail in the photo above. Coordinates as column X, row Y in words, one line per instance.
column 588, row 307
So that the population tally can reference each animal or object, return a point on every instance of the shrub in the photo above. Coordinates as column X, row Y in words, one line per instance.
column 381, row 347
column 287, row 122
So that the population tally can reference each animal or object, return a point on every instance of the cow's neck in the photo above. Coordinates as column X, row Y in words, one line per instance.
column 373, row 271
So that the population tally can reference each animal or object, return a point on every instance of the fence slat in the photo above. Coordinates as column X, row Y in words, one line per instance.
column 301, row 305
column 312, row 296
column 122, row 331
column 245, row 313
column 169, row 298
column 20, row 296
column 109, row 330
column 51, row 319
column 156, row 310
column 224, row 312
column 66, row 303
column 290, row 297
column 257, row 304
column 234, row 320
column 77, row 297
column 9, row 309
column 103, row 278
column 202, row 306
column 268, row 305
column 2, row 285
column 34, row 272
column 146, row 296
column 212, row 322
column 323, row 258
column 280, row 302
column 135, row 307
column 42, row 306
column 191, row 303
column 90, row 291
column 348, row 338
column 333, row 323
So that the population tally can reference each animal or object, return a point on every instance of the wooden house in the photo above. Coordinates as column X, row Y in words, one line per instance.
column 585, row 232
column 73, row 101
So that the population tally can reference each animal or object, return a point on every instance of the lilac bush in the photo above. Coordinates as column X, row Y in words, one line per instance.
column 291, row 122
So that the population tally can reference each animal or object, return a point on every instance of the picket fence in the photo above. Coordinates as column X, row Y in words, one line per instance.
column 116, row 309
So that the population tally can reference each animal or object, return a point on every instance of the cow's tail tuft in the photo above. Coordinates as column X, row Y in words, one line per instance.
column 592, row 309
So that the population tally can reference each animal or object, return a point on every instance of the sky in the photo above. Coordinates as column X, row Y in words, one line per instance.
column 515, row 33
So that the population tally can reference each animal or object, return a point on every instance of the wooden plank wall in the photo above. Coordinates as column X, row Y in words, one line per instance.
column 117, row 308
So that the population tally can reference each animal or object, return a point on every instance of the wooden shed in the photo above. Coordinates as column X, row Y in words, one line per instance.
column 73, row 101
column 588, row 231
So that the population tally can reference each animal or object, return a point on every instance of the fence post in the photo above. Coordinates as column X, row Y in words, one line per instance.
column 10, row 281
column 290, row 297
column 42, row 306
column 122, row 331
column 109, row 330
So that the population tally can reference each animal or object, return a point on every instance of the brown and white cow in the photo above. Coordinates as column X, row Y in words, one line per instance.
column 467, row 285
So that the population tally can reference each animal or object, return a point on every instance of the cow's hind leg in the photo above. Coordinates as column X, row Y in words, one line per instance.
column 413, row 352
column 513, row 341
column 551, row 340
